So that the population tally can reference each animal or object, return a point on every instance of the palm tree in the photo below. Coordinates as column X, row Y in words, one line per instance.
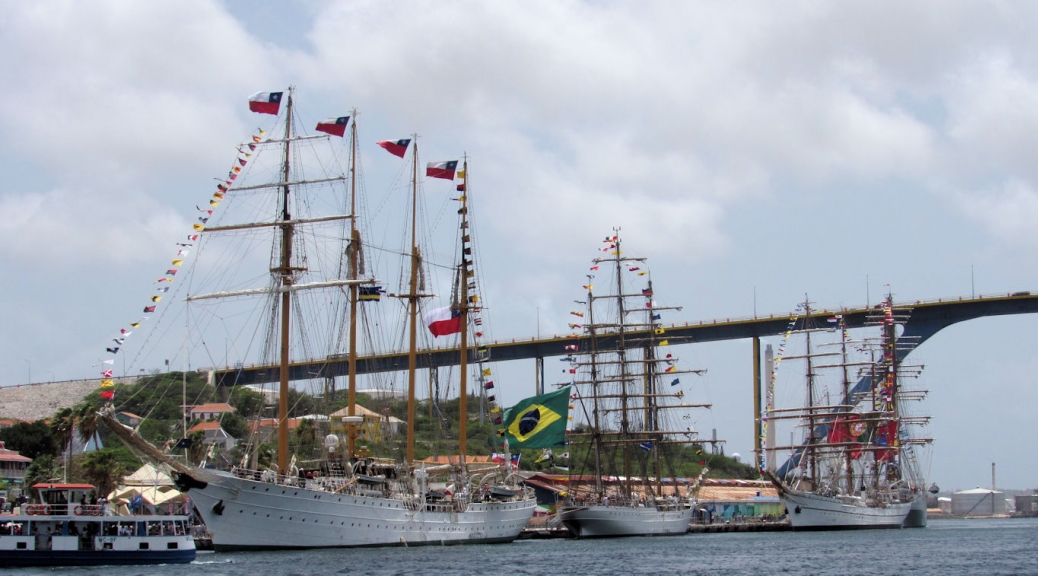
column 86, row 424
column 62, row 427
column 103, row 470
column 42, row 469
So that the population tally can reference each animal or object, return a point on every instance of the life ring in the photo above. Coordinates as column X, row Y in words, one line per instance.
column 46, row 510
column 30, row 509
column 78, row 511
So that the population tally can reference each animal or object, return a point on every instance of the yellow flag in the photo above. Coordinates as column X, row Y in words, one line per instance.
column 198, row 227
column 664, row 342
column 107, row 383
column 461, row 173
column 486, row 371
column 156, row 298
column 177, row 261
column 658, row 331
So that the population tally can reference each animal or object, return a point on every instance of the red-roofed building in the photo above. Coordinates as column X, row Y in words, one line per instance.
column 12, row 465
column 209, row 411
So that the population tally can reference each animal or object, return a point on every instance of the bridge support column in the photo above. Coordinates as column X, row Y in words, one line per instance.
column 756, row 401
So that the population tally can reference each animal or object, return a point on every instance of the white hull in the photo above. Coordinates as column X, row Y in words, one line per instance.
column 808, row 511
column 605, row 521
column 250, row 515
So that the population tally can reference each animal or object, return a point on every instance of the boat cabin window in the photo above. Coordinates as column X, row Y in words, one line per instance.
column 110, row 529
column 127, row 528
column 14, row 528
column 154, row 528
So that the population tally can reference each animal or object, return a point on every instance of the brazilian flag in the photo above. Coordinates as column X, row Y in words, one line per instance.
column 538, row 422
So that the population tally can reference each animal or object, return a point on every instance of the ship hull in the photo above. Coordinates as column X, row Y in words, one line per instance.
column 808, row 511
column 917, row 514
column 612, row 521
column 244, row 514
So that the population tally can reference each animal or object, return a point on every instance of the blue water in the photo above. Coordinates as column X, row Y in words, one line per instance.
column 947, row 547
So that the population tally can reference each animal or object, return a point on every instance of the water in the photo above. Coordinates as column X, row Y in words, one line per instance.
column 947, row 547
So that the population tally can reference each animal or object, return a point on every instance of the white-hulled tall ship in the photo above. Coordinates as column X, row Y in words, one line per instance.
column 850, row 470
column 628, row 401
column 356, row 500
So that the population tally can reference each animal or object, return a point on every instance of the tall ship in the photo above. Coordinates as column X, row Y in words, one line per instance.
column 854, row 467
column 633, row 444
column 351, row 496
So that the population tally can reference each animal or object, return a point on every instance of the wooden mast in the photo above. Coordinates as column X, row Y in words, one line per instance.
column 412, row 353
column 285, row 272
column 810, row 397
column 351, row 397
column 463, row 278
column 621, row 350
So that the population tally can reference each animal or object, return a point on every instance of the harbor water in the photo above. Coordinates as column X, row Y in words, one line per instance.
column 946, row 547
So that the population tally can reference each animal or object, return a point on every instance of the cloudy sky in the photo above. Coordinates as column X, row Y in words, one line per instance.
column 753, row 151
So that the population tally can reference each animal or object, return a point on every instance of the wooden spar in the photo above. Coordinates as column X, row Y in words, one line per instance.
column 412, row 354
column 351, row 395
column 464, row 313
column 285, row 271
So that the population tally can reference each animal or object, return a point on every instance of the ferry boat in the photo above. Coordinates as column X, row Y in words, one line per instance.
column 63, row 530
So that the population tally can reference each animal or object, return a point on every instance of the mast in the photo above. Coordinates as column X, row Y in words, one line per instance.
column 596, row 438
column 285, row 273
column 848, row 467
column 351, row 398
column 625, row 422
column 812, row 464
column 463, row 274
column 412, row 352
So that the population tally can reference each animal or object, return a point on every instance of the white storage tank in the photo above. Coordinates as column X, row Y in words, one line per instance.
column 978, row 502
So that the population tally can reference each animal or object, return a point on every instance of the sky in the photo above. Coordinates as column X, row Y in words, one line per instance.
column 754, row 152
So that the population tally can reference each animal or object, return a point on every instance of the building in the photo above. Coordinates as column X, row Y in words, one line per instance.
column 978, row 502
column 209, row 411
column 13, row 466
column 214, row 434
column 128, row 418
column 374, row 428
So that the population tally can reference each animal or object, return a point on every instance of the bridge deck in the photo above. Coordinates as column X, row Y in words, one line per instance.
column 927, row 318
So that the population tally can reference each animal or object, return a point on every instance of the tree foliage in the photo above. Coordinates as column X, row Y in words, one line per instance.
column 30, row 439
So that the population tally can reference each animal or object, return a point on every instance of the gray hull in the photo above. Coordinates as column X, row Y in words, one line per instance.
column 917, row 514
column 610, row 521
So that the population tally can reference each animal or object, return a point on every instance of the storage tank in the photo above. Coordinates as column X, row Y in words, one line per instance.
column 978, row 502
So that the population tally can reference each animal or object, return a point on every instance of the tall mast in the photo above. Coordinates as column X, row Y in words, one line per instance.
column 848, row 467
column 412, row 352
column 596, row 438
column 812, row 471
column 351, row 398
column 625, row 421
column 285, row 272
column 463, row 350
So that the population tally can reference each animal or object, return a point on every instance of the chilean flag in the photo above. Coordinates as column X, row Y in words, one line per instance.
column 398, row 148
column 334, row 126
column 443, row 321
column 443, row 170
column 265, row 102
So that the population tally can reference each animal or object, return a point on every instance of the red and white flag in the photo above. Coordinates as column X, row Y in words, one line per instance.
column 395, row 147
column 443, row 170
column 443, row 321
column 334, row 126
column 265, row 102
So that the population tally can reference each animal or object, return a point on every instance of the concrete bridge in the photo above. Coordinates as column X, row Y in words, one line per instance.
column 927, row 318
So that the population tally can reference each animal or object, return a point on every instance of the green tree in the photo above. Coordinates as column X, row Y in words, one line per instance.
column 86, row 421
column 103, row 469
column 235, row 425
column 30, row 439
column 42, row 469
